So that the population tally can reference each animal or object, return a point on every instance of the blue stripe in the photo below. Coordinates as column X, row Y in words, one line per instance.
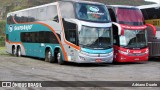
column 97, row 51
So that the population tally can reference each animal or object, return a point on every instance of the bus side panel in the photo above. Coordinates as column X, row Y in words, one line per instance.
column 29, row 46
column 154, row 42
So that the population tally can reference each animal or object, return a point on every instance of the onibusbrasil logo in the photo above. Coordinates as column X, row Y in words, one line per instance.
column 94, row 9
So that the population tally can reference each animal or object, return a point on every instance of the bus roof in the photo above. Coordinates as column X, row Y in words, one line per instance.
column 149, row 6
column 34, row 7
column 83, row 1
column 121, row 6
column 54, row 3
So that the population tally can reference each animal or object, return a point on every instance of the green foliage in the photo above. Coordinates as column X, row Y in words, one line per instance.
column 2, row 32
column 2, row 27
column 3, row 51
column 2, row 41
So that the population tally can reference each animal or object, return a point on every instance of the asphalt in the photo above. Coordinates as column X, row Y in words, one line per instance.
column 34, row 69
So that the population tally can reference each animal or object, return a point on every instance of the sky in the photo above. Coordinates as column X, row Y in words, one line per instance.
column 157, row 1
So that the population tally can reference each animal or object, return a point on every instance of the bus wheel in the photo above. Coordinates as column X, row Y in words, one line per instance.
column 18, row 54
column 49, row 56
column 59, row 58
column 14, row 51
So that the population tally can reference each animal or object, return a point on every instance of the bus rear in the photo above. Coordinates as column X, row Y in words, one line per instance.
column 130, row 35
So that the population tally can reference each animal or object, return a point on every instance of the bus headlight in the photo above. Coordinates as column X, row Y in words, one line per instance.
column 122, row 52
column 147, row 51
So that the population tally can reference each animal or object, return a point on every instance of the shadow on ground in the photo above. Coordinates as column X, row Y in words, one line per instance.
column 156, row 59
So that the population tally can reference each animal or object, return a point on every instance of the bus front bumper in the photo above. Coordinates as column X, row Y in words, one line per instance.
column 126, row 58
column 95, row 58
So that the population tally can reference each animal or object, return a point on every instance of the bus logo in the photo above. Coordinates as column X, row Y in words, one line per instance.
column 94, row 9
column 10, row 28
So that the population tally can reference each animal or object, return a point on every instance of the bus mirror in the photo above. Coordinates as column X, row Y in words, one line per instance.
column 123, row 40
column 56, row 19
column 153, row 28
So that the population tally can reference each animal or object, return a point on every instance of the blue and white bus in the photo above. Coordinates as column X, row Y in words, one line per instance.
column 63, row 31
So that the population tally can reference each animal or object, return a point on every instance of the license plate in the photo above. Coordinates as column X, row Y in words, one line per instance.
column 98, row 60
column 137, row 59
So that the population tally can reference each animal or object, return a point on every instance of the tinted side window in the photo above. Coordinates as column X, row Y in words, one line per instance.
column 152, row 13
column 39, row 37
column 144, row 14
column 112, row 14
column 115, row 35
column 71, row 32
column 10, row 20
column 7, row 37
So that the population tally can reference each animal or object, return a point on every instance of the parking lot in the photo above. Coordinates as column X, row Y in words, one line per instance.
column 33, row 69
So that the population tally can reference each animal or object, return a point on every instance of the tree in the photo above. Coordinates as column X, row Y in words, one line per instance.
column 2, row 27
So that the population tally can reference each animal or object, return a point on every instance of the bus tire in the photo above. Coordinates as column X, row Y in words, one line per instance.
column 19, row 53
column 59, row 58
column 48, row 56
column 13, row 51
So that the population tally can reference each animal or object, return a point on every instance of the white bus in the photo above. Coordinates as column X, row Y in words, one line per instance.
column 151, row 15
column 63, row 31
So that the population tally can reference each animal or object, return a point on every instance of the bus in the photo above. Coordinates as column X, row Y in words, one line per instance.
column 62, row 31
column 151, row 15
column 129, row 33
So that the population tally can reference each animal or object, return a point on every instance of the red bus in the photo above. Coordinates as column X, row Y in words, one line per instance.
column 130, row 34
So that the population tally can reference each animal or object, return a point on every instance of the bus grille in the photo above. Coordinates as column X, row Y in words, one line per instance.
column 154, row 48
column 137, row 54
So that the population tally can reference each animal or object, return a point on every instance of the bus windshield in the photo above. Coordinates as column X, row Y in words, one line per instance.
column 134, row 39
column 92, row 12
column 95, row 38
column 130, row 16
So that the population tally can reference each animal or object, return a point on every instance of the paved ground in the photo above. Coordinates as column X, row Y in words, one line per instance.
column 31, row 69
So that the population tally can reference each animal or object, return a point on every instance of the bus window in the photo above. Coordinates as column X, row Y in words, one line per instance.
column 130, row 16
column 10, row 20
column 145, row 15
column 155, row 13
column 95, row 37
column 91, row 12
column 7, row 37
column 134, row 39
column 71, row 32
column 112, row 14
column 39, row 37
